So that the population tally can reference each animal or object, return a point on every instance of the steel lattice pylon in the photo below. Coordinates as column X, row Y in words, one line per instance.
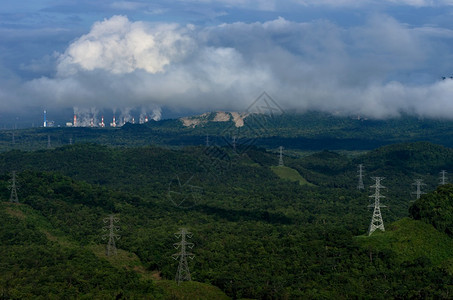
column 13, row 187
column 280, row 159
column 443, row 177
column 376, row 219
column 360, row 186
column 110, row 248
column 183, row 273
column 418, row 183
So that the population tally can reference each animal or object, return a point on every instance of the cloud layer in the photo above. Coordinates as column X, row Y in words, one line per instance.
column 120, row 46
column 379, row 69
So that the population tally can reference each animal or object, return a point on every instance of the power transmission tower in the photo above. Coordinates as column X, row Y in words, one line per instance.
column 70, row 141
column 376, row 219
column 418, row 183
column 443, row 177
column 207, row 140
column 111, row 235
column 13, row 187
column 234, row 143
column 360, row 186
column 48, row 142
column 183, row 273
column 280, row 159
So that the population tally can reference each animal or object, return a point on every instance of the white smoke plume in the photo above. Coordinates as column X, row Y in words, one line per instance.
column 156, row 114
column 125, row 116
column 143, row 116
column 86, row 117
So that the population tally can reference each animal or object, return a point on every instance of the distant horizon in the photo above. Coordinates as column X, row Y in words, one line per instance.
column 108, row 117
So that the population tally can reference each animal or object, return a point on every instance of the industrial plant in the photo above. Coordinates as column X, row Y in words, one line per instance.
column 84, row 119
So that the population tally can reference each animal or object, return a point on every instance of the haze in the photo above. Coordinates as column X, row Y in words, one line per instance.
column 377, row 59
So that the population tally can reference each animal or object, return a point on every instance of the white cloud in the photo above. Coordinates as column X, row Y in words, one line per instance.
column 120, row 46
column 418, row 3
column 363, row 3
column 363, row 70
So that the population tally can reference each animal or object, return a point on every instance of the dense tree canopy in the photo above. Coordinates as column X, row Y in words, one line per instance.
column 256, row 234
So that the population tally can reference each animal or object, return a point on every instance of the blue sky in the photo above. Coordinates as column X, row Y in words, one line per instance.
column 373, row 58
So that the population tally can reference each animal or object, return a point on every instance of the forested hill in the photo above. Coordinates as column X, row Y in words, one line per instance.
column 436, row 209
column 312, row 131
column 259, row 230
column 423, row 239
column 149, row 172
column 53, row 247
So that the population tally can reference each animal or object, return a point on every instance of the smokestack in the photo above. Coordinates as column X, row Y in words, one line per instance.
column 102, row 122
column 75, row 120
column 113, row 124
column 45, row 118
column 146, row 119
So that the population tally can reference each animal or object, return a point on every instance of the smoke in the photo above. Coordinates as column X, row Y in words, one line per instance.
column 125, row 116
column 379, row 69
column 143, row 116
column 86, row 117
column 156, row 114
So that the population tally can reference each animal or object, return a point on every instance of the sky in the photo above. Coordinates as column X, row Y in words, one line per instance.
column 373, row 58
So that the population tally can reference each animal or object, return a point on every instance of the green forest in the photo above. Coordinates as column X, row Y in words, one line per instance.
column 310, row 131
column 260, row 231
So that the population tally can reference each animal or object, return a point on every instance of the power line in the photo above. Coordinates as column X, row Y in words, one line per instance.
column 111, row 235
column 183, row 273
column 376, row 219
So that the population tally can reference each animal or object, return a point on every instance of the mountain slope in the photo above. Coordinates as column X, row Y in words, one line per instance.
column 412, row 240
column 35, row 263
column 51, row 248
column 436, row 209
column 255, row 235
